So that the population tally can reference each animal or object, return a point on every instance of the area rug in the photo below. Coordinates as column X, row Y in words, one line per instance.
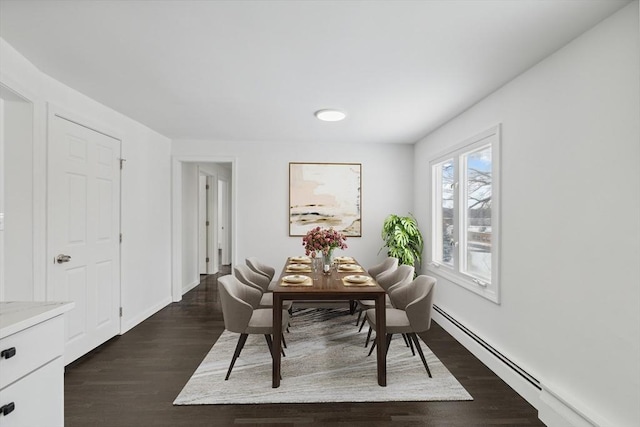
column 326, row 361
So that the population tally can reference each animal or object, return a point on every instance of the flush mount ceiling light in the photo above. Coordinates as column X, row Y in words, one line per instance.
column 330, row 115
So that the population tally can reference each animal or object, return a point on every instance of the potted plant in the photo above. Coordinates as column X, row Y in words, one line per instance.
column 403, row 239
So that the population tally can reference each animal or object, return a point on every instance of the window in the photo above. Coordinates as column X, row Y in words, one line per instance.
column 465, row 214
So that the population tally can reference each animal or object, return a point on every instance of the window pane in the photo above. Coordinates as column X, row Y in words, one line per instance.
column 478, row 213
column 444, row 213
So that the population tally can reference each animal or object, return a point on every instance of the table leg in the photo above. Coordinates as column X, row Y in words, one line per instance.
column 381, row 343
column 277, row 339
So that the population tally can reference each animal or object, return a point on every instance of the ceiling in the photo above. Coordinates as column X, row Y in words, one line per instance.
column 258, row 70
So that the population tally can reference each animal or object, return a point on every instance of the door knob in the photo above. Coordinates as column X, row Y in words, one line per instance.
column 63, row 258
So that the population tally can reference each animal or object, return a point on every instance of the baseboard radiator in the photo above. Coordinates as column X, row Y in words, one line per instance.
column 554, row 408
column 524, row 374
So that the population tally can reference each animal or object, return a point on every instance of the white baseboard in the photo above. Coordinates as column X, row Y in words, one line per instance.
column 127, row 325
column 523, row 387
column 188, row 287
column 553, row 410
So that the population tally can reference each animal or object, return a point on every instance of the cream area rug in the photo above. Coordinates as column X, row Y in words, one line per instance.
column 325, row 362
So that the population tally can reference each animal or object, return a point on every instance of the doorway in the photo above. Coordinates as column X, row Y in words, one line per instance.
column 187, row 243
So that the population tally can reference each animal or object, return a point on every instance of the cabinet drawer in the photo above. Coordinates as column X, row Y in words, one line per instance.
column 38, row 398
column 34, row 347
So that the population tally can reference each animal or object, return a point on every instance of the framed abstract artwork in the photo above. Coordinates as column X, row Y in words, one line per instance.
column 326, row 195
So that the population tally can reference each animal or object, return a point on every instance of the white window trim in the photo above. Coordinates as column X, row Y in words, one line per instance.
column 489, row 291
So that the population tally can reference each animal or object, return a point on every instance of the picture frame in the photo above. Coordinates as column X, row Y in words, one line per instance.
column 328, row 195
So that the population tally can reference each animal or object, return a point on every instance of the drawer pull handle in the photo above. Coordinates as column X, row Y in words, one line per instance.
column 7, row 409
column 8, row 354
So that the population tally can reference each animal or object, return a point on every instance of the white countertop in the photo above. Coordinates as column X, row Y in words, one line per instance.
column 18, row 315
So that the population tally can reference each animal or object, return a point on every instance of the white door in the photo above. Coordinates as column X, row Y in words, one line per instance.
column 203, row 226
column 212, row 231
column 224, row 235
column 83, row 224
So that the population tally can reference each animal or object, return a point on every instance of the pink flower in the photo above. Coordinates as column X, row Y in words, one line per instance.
column 324, row 240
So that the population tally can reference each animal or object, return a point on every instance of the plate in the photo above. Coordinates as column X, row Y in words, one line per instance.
column 350, row 267
column 296, row 278
column 357, row 278
column 345, row 259
column 298, row 267
column 301, row 259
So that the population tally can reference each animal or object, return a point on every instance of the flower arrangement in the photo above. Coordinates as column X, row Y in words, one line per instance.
column 323, row 240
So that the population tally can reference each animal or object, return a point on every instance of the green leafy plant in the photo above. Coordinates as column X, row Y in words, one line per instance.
column 403, row 239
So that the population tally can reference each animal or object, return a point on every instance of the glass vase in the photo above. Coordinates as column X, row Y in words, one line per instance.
column 327, row 260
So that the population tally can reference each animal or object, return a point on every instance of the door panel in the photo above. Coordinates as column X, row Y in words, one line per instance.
column 76, row 209
column 104, row 292
column 84, row 223
column 76, row 285
column 104, row 225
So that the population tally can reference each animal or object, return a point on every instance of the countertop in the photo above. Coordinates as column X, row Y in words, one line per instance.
column 18, row 315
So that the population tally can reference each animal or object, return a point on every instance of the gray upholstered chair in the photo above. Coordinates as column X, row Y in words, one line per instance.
column 252, row 278
column 388, row 280
column 390, row 263
column 260, row 282
column 411, row 313
column 392, row 279
column 240, row 315
column 262, row 268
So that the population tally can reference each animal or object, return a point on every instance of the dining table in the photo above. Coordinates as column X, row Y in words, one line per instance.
column 302, row 279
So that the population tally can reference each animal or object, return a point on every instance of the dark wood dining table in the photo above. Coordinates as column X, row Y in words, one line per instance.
column 327, row 287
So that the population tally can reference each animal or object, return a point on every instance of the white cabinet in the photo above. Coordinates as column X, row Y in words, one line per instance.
column 32, row 364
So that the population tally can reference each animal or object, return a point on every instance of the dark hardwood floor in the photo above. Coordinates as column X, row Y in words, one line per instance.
column 133, row 379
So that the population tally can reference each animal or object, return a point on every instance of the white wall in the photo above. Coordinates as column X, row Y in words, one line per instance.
column 261, row 188
column 18, row 201
column 146, row 224
column 146, row 184
column 217, row 170
column 2, row 209
column 570, row 312
column 190, row 180
column 2, row 173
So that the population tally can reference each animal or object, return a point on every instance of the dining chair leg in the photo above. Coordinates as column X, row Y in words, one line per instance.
column 362, row 324
column 359, row 316
column 413, row 351
column 269, row 343
column 239, row 346
column 409, row 344
column 374, row 345
column 368, row 337
column 284, row 343
column 417, row 343
column 388, row 343
column 352, row 306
